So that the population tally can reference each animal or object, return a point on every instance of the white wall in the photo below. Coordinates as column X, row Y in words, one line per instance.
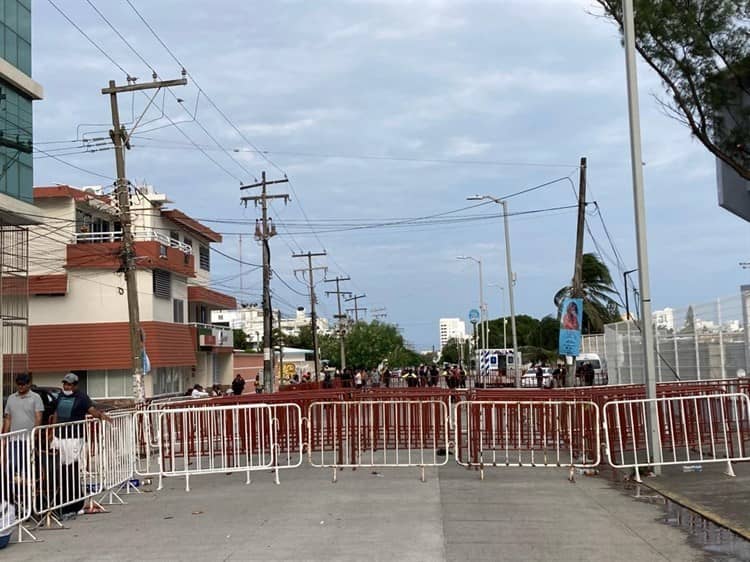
column 48, row 242
column 93, row 296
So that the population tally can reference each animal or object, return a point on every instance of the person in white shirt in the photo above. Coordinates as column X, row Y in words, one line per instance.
column 23, row 411
column 198, row 392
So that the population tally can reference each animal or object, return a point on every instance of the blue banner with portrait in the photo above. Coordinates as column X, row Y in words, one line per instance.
column 571, row 317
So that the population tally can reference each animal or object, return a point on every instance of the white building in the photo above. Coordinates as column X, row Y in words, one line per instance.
column 249, row 319
column 78, row 307
column 451, row 328
column 664, row 319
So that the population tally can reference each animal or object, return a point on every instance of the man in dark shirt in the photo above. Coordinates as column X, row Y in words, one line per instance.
column 71, row 406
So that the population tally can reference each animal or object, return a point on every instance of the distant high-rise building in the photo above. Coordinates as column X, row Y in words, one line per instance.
column 451, row 328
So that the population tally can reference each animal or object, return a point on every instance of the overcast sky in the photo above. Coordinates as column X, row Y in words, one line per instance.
column 384, row 110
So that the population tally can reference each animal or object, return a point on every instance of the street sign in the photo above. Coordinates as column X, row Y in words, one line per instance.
column 473, row 316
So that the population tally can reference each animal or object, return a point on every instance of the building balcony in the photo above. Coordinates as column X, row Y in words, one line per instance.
column 138, row 235
column 210, row 336
column 102, row 250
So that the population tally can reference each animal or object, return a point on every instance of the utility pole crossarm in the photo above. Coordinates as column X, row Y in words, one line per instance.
column 112, row 89
column 262, row 183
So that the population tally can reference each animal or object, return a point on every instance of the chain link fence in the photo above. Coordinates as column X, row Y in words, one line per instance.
column 698, row 342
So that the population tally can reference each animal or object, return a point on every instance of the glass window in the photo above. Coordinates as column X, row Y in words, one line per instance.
column 97, row 384
column 11, row 14
column 11, row 47
column 178, row 315
column 24, row 23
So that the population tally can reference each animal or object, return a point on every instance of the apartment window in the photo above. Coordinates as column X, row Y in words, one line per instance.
column 178, row 315
column 188, row 242
column 162, row 284
column 205, row 258
column 162, row 251
column 174, row 237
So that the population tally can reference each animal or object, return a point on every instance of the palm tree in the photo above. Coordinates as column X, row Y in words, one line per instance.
column 599, row 304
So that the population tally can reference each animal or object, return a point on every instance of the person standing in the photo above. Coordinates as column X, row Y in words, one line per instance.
column 23, row 411
column 238, row 384
column 539, row 376
column 72, row 405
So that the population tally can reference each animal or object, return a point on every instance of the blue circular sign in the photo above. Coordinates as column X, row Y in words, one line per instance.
column 473, row 316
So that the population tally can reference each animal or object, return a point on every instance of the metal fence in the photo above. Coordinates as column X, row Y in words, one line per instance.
column 698, row 342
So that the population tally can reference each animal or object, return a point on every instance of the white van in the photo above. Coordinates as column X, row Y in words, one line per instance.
column 601, row 376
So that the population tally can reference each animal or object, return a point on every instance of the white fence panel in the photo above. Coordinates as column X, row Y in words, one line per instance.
column 215, row 440
column 16, row 479
column 374, row 433
column 118, row 448
column 70, row 464
column 527, row 434
column 692, row 429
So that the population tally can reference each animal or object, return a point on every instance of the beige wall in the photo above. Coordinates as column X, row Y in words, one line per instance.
column 48, row 242
column 92, row 297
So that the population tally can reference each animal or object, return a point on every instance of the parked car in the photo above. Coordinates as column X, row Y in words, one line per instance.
column 528, row 380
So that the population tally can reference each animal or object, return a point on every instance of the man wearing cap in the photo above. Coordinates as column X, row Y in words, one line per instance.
column 22, row 412
column 73, row 404
column 70, row 441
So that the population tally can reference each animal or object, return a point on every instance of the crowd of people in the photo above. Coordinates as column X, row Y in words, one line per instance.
column 25, row 410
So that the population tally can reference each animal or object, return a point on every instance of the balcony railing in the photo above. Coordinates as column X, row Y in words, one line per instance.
column 210, row 335
column 142, row 234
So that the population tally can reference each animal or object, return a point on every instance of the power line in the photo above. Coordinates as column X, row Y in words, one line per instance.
column 90, row 40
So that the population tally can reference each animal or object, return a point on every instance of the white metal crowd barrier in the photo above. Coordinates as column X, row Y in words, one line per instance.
column 69, row 465
column 16, row 482
column 527, row 433
column 691, row 429
column 118, row 453
column 388, row 433
column 215, row 440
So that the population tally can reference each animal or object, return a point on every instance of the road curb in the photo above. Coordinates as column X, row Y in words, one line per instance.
column 744, row 532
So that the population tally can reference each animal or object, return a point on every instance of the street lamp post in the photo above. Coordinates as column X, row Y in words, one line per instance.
column 482, row 305
column 639, row 204
column 514, row 335
column 502, row 312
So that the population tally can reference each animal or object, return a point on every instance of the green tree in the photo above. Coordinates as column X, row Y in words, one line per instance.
column 452, row 351
column 367, row 344
column 599, row 305
column 239, row 339
column 701, row 51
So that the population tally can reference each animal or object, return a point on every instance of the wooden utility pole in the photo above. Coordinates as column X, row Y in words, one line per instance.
column 577, row 289
column 356, row 308
column 340, row 318
column 578, row 271
column 313, row 316
column 263, row 232
column 121, row 138
column 281, row 347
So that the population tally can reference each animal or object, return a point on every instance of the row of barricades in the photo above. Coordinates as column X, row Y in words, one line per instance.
column 404, row 429
column 62, row 467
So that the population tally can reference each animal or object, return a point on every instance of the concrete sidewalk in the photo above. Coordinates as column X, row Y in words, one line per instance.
column 711, row 493
column 514, row 514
